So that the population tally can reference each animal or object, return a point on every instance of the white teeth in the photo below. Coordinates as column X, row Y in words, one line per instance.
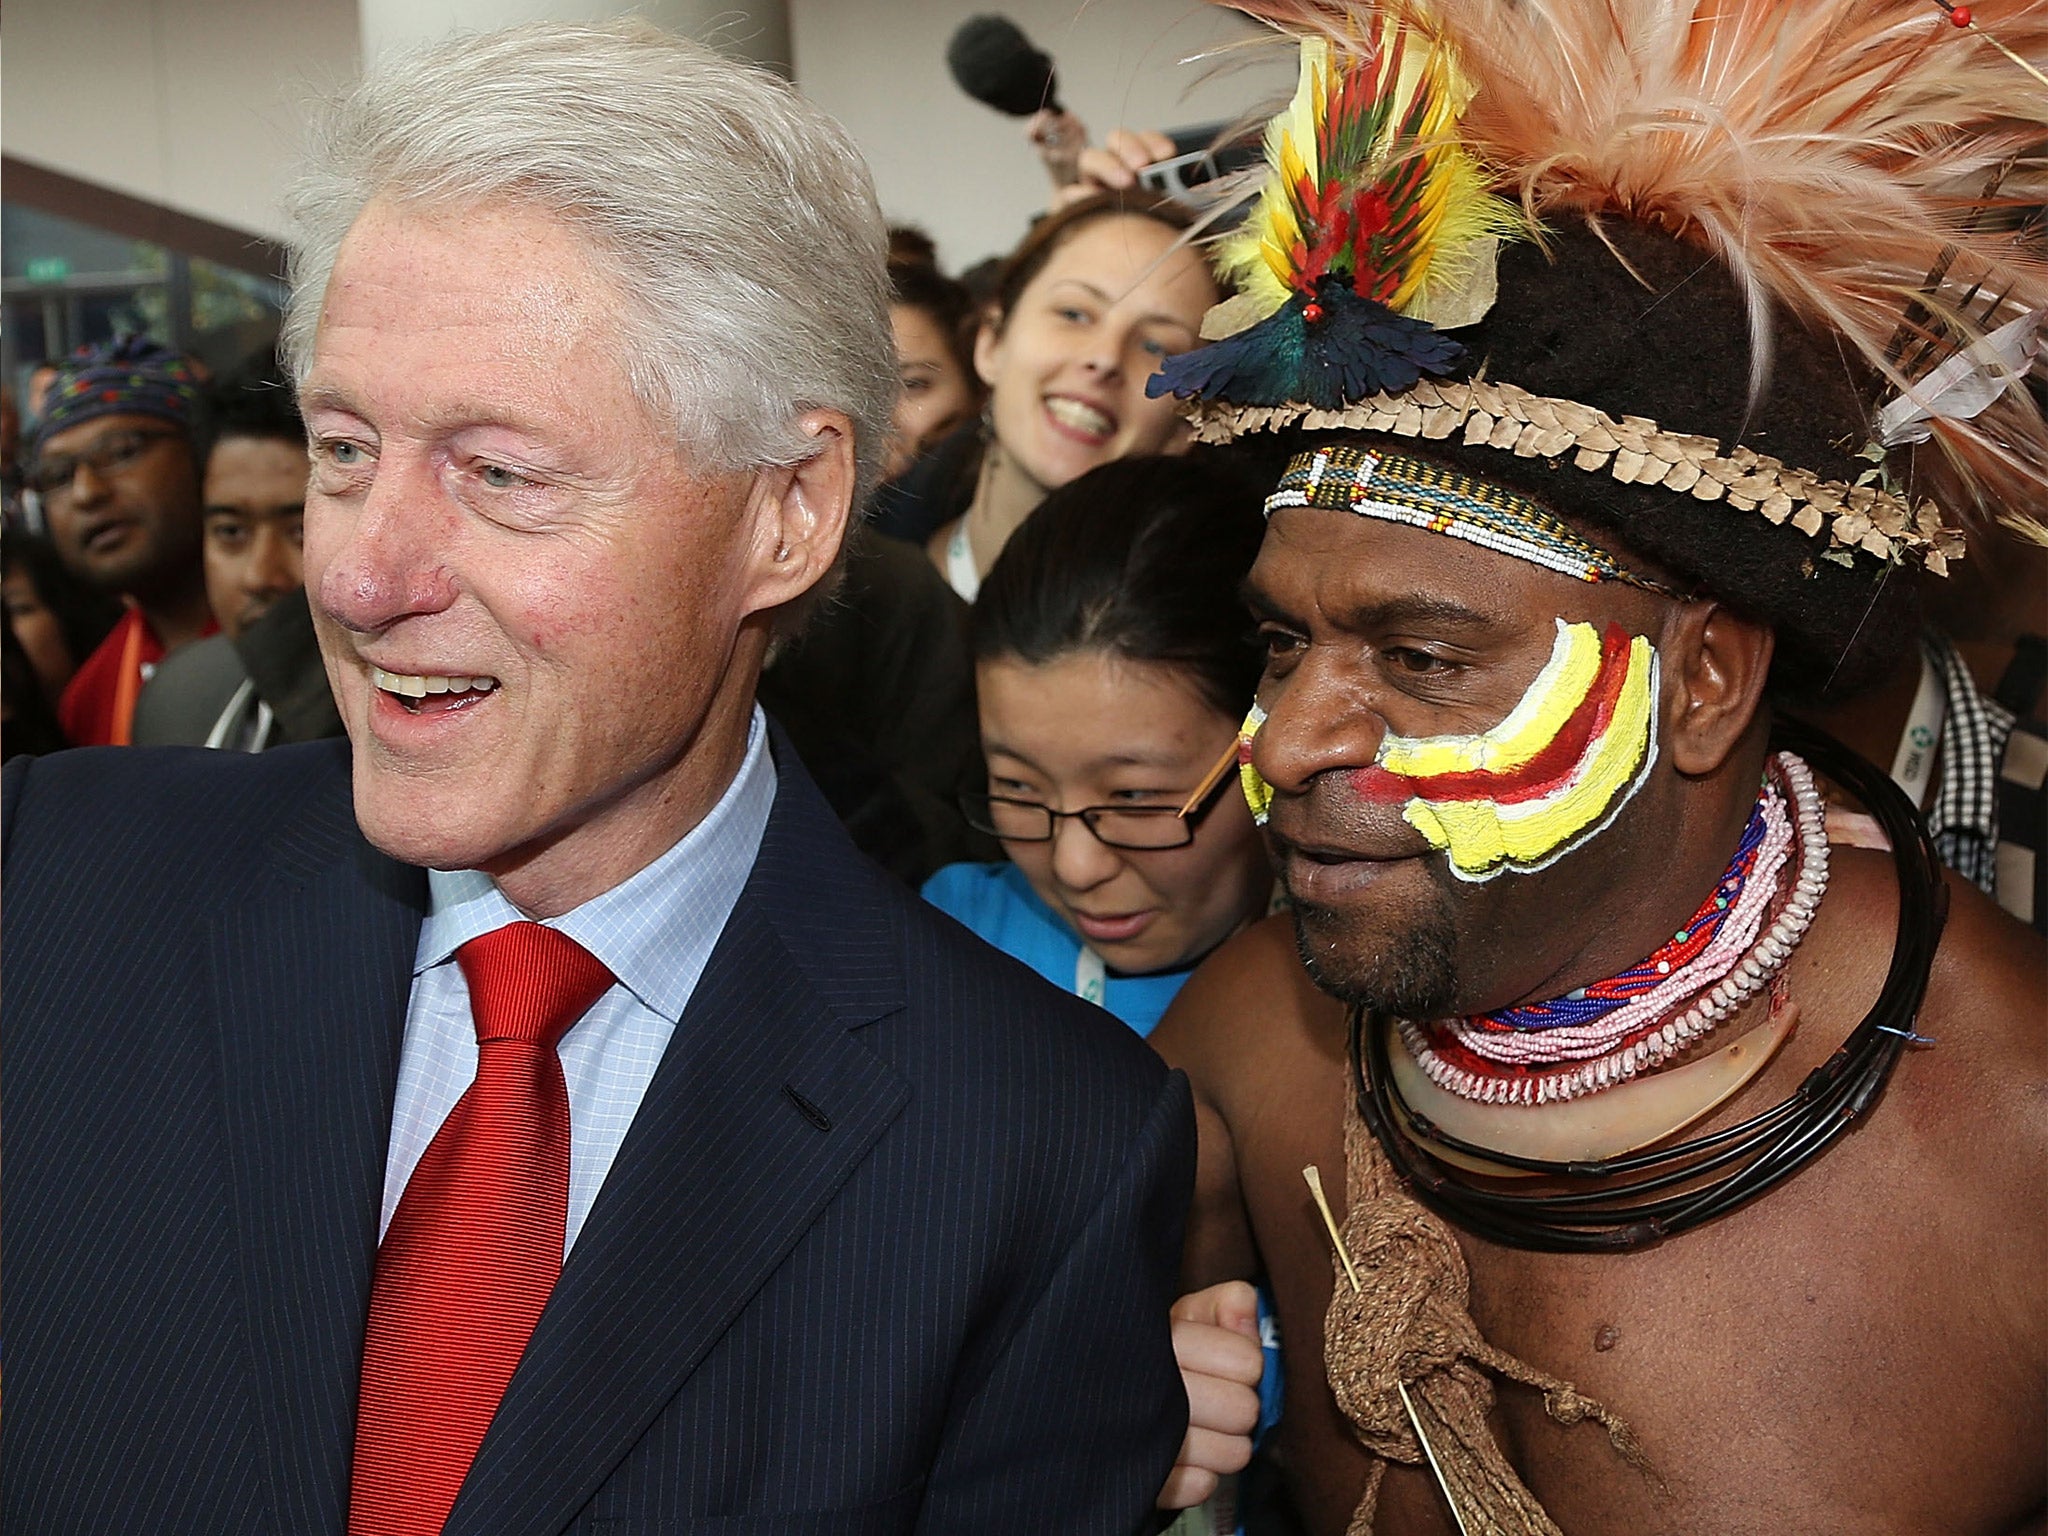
column 1080, row 416
column 418, row 686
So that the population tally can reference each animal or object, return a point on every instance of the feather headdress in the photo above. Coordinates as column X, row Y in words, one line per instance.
column 1864, row 166
column 1372, row 230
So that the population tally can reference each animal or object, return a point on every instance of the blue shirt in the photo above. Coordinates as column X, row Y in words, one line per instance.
column 655, row 931
column 998, row 904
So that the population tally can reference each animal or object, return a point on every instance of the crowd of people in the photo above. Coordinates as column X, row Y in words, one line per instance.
column 652, row 999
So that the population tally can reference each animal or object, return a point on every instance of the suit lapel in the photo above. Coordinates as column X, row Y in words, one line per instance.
column 759, row 1112
column 311, row 980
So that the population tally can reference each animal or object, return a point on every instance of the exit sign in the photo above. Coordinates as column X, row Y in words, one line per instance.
column 48, row 269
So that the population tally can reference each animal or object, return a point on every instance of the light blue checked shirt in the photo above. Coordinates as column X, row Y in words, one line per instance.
column 655, row 932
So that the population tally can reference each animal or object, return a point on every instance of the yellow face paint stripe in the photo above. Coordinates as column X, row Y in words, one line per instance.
column 1559, row 689
column 1258, row 794
column 1485, row 838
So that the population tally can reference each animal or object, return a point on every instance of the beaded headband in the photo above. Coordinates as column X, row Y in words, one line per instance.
column 1394, row 488
column 1632, row 449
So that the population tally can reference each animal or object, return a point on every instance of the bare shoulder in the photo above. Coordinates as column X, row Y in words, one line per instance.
column 1247, row 1010
column 1982, row 1091
column 1258, row 1042
column 1990, row 988
column 1978, row 1096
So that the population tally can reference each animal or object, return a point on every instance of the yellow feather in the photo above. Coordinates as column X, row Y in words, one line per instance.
column 1258, row 256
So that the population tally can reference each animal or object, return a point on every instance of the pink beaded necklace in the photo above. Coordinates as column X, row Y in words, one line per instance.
column 1606, row 1033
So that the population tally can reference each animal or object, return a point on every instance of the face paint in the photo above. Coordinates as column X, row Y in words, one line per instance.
column 1258, row 794
column 1550, row 776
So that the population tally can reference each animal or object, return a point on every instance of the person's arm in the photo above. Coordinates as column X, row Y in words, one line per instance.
column 1215, row 1326
column 1075, row 1423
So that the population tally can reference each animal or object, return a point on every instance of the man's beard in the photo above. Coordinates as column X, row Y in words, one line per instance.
column 1407, row 969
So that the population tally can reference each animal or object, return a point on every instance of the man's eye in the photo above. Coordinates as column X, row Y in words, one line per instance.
column 1405, row 658
column 344, row 453
column 499, row 478
column 1277, row 644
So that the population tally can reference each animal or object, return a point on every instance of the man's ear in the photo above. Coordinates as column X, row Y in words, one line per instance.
column 1716, row 664
column 802, row 513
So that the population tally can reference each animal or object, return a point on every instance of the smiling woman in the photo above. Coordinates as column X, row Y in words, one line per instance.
column 1086, row 309
column 1113, row 666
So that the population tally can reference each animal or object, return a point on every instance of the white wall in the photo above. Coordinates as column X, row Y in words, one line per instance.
column 196, row 104
column 964, row 171
column 748, row 29
column 193, row 104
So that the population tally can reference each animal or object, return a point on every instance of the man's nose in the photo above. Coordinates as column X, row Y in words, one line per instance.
column 1316, row 721
column 384, row 555
column 87, row 487
column 273, row 566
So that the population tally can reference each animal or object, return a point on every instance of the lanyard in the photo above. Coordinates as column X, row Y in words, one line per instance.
column 961, row 575
column 1913, row 763
column 1091, row 977
column 128, row 681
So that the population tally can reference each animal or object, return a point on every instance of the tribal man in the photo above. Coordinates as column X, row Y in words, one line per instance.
column 1628, row 1094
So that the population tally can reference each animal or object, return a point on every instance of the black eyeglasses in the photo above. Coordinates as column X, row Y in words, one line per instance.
column 117, row 450
column 1140, row 828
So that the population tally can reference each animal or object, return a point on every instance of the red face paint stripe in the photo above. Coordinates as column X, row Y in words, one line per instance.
column 1544, row 772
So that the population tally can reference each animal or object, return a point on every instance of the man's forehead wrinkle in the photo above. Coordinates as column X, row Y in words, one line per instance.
column 424, row 252
column 408, row 275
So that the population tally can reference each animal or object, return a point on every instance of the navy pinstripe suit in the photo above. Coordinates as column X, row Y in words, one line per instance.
column 889, row 1247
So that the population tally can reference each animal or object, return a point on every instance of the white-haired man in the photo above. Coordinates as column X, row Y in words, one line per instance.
column 533, row 1116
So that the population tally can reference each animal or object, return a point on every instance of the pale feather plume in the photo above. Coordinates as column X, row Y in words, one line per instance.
column 1834, row 153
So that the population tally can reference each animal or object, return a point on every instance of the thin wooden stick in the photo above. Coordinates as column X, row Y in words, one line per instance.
column 1430, row 1451
column 1210, row 779
column 1314, row 1176
column 1969, row 24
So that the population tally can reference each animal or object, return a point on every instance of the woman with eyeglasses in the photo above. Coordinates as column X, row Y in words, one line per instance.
column 1113, row 667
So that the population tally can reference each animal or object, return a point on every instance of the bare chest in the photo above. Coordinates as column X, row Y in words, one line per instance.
column 1829, row 1359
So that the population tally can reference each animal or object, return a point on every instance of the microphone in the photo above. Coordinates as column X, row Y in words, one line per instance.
column 994, row 62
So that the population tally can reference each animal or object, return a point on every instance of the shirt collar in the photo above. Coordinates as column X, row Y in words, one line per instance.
column 655, row 930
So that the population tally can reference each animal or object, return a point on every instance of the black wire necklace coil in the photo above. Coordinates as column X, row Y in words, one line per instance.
column 1631, row 1208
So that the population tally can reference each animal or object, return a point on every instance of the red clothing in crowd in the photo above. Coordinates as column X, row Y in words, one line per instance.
column 98, row 706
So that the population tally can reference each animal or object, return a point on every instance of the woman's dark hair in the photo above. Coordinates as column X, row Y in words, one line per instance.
column 948, row 304
column 30, row 724
column 1142, row 557
column 911, row 246
column 1057, row 228
column 84, row 614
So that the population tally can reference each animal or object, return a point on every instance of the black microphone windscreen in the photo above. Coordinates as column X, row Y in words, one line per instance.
column 994, row 62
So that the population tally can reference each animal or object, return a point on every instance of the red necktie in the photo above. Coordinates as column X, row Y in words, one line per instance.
column 476, row 1242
